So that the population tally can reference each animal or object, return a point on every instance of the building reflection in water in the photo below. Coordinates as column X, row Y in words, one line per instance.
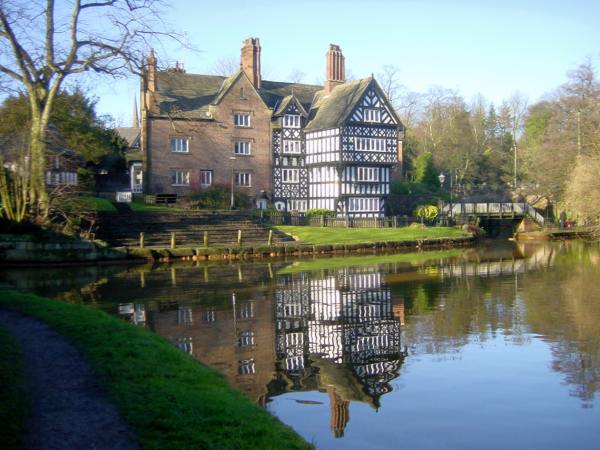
column 338, row 333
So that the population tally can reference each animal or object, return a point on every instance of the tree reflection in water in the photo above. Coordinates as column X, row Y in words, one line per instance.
column 347, row 332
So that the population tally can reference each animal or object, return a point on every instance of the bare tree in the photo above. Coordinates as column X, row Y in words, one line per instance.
column 42, row 45
column 296, row 76
column 389, row 80
column 225, row 67
column 517, row 107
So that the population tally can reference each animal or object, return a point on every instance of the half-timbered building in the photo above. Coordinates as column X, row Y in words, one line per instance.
column 293, row 146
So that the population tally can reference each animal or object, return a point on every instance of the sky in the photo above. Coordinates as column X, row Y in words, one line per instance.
column 487, row 47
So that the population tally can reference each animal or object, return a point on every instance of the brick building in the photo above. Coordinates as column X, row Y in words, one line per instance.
column 287, row 145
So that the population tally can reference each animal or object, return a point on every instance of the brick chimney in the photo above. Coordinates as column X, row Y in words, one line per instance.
column 250, row 61
column 151, row 71
column 336, row 68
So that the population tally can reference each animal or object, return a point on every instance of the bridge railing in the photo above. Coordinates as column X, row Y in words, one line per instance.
column 493, row 208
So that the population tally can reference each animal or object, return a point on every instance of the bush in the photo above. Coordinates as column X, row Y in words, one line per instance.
column 219, row 197
column 427, row 212
column 320, row 212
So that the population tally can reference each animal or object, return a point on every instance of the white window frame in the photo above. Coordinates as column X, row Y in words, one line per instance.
column 180, row 177
column 363, row 204
column 292, row 146
column 372, row 115
column 365, row 144
column 292, row 121
column 367, row 174
column 290, row 175
column 246, row 310
column 242, row 120
column 243, row 179
column 298, row 205
column 246, row 339
column 242, row 148
column 179, row 144
column 206, row 175
column 246, row 367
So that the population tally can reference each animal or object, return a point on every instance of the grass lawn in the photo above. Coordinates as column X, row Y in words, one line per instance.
column 168, row 398
column 13, row 398
column 138, row 206
column 325, row 235
column 99, row 204
column 309, row 265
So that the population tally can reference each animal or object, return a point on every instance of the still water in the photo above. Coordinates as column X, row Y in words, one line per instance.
column 491, row 347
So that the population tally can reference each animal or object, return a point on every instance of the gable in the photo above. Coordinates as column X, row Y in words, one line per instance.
column 374, row 100
column 292, row 108
column 290, row 105
column 238, row 87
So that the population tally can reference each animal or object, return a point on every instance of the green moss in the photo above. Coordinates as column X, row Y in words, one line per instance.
column 169, row 399
column 318, row 235
column 13, row 399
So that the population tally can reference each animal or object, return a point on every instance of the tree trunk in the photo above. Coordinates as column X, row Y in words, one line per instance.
column 37, row 154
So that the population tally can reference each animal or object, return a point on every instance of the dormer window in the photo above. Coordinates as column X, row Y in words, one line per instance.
column 291, row 121
column 372, row 115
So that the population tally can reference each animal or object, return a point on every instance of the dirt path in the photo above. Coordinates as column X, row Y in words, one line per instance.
column 69, row 410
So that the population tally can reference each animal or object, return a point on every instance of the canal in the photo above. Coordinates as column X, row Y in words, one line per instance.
column 490, row 347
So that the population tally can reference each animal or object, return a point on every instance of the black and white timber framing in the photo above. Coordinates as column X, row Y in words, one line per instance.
column 346, row 318
column 343, row 165
column 290, row 175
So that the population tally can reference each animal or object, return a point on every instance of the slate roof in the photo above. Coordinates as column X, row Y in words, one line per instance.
column 330, row 111
column 186, row 95
column 190, row 96
column 131, row 135
column 274, row 92
column 283, row 105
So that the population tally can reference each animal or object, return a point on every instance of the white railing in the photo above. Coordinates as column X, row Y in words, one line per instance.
column 124, row 197
column 519, row 209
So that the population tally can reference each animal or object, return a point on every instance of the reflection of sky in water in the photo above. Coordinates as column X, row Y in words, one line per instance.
column 496, row 395
column 494, row 348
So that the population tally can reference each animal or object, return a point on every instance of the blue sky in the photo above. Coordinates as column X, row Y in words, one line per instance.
column 490, row 47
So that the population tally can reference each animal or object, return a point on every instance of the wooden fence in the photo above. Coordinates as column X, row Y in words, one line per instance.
column 301, row 219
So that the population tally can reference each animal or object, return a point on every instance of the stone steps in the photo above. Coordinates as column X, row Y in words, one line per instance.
column 124, row 229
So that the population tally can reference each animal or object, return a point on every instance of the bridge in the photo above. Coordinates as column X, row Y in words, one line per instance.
column 493, row 211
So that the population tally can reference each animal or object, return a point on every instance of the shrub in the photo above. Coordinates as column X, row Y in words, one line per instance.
column 427, row 212
column 219, row 197
column 320, row 212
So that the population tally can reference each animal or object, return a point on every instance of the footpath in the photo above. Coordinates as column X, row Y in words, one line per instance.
column 68, row 409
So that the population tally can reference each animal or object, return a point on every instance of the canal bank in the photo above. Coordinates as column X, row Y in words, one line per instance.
column 31, row 250
column 167, row 399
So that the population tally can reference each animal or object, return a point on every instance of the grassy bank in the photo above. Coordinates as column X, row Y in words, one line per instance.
column 98, row 204
column 13, row 403
column 168, row 399
column 324, row 235
column 368, row 260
